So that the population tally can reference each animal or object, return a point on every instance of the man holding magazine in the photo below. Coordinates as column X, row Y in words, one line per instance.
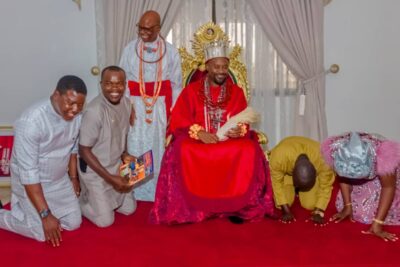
column 205, row 172
column 102, row 142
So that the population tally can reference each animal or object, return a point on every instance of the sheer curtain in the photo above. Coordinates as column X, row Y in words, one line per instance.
column 193, row 14
column 273, row 88
column 296, row 29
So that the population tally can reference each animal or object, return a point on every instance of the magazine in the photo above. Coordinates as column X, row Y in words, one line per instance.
column 138, row 169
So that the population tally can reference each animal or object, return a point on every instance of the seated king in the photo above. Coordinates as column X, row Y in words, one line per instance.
column 204, row 175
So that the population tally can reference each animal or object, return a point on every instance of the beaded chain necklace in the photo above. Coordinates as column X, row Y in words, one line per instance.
column 149, row 101
column 213, row 111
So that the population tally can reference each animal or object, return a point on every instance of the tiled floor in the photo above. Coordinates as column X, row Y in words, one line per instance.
column 5, row 194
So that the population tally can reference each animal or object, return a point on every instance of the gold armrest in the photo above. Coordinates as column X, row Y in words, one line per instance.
column 263, row 141
column 262, row 138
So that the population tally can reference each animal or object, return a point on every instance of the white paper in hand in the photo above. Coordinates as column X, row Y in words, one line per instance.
column 247, row 116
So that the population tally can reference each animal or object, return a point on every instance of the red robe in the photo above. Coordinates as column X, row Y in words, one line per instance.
column 200, row 180
column 189, row 108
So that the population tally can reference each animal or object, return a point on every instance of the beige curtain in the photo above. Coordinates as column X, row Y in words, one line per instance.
column 116, row 24
column 295, row 28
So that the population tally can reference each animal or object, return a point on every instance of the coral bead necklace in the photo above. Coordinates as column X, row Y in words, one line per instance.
column 150, row 100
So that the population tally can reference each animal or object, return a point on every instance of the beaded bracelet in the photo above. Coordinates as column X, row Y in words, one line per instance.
column 378, row 221
column 194, row 131
column 243, row 129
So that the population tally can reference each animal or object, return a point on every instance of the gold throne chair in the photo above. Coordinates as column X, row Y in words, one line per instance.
column 193, row 66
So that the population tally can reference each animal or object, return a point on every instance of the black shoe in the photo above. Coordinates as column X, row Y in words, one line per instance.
column 236, row 220
column 1, row 205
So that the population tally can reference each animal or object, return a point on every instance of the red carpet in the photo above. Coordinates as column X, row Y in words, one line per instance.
column 133, row 242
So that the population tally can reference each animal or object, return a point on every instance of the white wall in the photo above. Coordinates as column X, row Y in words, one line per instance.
column 363, row 37
column 41, row 41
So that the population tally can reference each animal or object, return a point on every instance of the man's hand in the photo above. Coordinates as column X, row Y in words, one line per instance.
column 287, row 215
column 317, row 217
column 234, row 132
column 126, row 158
column 52, row 230
column 121, row 184
column 73, row 173
column 132, row 117
column 376, row 229
column 207, row 138
column 76, row 185
column 51, row 225
column 318, row 220
column 346, row 212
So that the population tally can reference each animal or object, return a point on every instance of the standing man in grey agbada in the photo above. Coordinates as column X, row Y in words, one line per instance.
column 44, row 179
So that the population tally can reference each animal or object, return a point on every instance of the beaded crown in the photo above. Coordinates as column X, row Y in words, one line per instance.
column 216, row 49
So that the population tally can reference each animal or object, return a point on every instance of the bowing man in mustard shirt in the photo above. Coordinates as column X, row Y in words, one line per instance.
column 297, row 166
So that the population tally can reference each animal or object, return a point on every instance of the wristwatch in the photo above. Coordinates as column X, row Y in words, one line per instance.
column 44, row 213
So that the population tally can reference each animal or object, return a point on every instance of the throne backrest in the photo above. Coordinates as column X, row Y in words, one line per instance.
column 193, row 66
